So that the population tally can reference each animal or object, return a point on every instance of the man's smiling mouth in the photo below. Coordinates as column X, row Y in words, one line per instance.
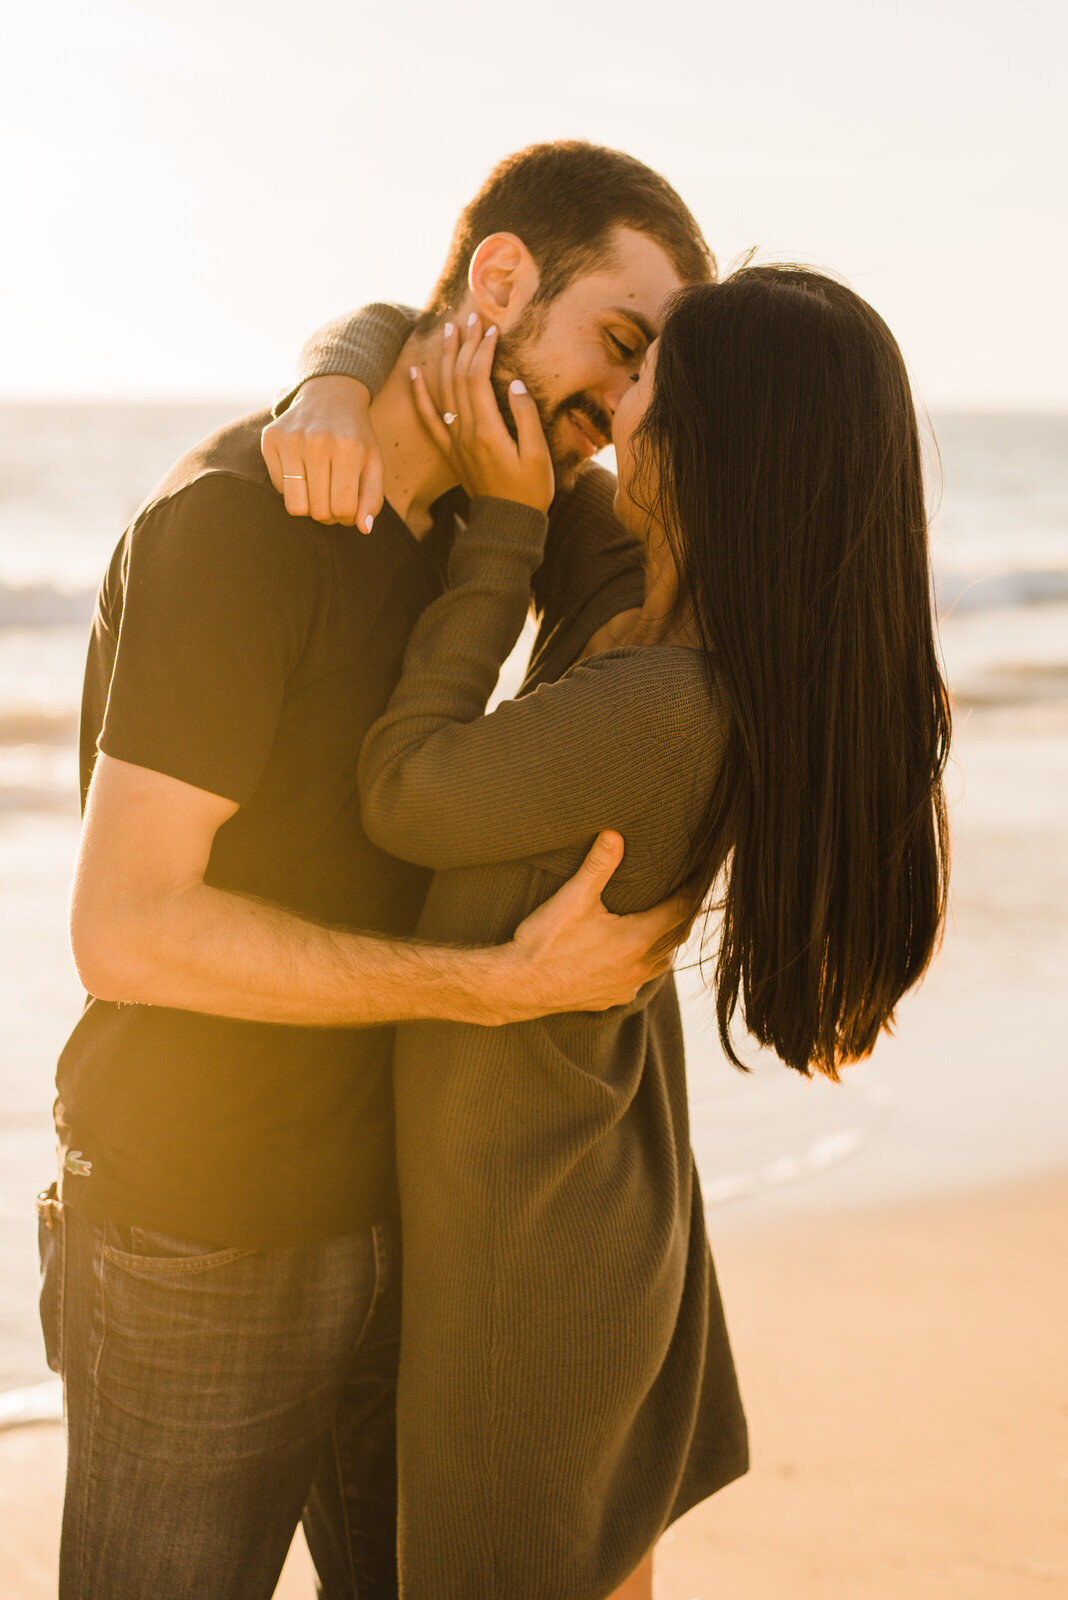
column 593, row 436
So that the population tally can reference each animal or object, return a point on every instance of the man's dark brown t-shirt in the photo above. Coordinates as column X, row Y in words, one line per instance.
column 247, row 653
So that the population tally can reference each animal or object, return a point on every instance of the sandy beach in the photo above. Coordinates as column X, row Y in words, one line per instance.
column 904, row 1373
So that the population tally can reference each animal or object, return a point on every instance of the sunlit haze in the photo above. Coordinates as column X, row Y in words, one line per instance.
column 191, row 189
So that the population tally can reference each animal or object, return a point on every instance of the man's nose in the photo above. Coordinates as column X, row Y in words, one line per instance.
column 615, row 389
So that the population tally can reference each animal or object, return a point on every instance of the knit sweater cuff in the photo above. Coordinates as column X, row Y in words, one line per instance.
column 500, row 533
column 364, row 346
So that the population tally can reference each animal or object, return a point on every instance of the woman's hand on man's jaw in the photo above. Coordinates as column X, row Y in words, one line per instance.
column 464, row 420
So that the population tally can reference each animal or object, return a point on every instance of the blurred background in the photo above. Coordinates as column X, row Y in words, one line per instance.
column 190, row 190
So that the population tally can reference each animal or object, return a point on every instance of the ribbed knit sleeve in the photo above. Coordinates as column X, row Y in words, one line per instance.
column 444, row 785
column 593, row 567
column 364, row 344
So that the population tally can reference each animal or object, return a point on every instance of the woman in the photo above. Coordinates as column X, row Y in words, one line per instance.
column 772, row 721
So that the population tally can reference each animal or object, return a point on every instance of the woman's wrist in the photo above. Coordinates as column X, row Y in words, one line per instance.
column 505, row 536
column 512, row 517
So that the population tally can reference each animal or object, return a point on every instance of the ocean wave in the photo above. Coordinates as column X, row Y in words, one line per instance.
column 24, row 797
column 38, row 725
column 957, row 592
column 44, row 605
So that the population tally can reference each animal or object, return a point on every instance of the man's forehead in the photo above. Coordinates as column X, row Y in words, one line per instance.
column 634, row 281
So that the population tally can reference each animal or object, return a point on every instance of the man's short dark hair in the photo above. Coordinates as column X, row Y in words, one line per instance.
column 565, row 200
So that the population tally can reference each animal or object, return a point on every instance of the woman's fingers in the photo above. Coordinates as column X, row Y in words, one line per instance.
column 448, row 368
column 529, row 431
column 272, row 457
column 372, row 492
column 535, row 459
column 485, row 412
column 466, row 423
column 465, row 356
column 318, row 467
column 469, row 348
column 345, row 473
column 429, row 414
column 294, row 484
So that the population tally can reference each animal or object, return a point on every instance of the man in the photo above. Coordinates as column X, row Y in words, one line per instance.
column 227, row 1304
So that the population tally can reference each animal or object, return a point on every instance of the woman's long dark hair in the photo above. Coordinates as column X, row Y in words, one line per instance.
column 785, row 451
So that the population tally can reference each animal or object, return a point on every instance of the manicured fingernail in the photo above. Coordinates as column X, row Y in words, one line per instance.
column 472, row 319
column 449, row 330
column 517, row 386
column 368, row 524
column 413, row 372
column 490, row 332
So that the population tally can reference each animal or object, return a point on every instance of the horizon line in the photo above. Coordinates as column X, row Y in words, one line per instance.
column 245, row 400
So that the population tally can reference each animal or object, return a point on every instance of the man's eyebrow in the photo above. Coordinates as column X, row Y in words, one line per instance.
column 640, row 321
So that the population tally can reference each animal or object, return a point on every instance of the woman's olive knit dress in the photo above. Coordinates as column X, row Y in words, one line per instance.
column 566, row 1384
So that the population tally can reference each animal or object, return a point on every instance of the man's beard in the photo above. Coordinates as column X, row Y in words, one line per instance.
column 514, row 360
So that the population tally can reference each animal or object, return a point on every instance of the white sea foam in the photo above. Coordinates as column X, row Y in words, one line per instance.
column 956, row 592
column 44, row 605
column 47, row 605
column 39, row 1402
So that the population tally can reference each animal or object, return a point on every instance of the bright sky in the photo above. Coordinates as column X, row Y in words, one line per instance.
column 191, row 187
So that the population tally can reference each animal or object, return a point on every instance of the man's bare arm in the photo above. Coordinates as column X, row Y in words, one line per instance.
column 146, row 928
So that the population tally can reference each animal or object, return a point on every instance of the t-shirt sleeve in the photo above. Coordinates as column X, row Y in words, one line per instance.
column 218, row 602
column 362, row 344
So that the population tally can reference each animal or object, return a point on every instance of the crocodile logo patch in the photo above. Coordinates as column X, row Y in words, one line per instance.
column 74, row 1162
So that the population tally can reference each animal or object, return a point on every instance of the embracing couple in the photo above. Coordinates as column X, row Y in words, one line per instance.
column 301, row 828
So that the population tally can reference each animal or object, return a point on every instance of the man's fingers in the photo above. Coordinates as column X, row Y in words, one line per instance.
column 668, row 915
column 372, row 493
column 657, row 962
column 667, row 925
column 602, row 859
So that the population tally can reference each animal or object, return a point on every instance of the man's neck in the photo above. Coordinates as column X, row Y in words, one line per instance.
column 415, row 471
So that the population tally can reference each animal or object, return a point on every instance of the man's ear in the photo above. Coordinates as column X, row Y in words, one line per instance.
column 502, row 279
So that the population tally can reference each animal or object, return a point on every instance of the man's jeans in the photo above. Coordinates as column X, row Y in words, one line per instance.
column 212, row 1394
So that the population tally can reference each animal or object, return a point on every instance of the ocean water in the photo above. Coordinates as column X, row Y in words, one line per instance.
column 70, row 478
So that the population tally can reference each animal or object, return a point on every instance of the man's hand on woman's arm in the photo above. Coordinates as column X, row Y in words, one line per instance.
column 579, row 956
column 147, row 929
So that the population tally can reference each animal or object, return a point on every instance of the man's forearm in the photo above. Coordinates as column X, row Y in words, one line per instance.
column 146, row 929
column 203, row 949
